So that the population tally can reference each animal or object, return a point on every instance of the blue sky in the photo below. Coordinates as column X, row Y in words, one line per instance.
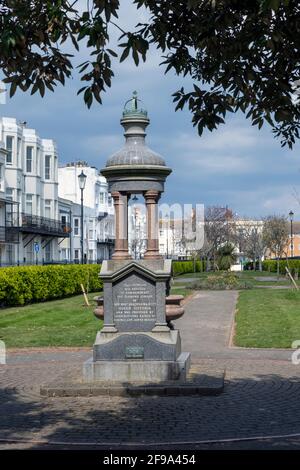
column 237, row 165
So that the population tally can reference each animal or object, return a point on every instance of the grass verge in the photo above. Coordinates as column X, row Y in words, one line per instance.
column 64, row 322
column 267, row 318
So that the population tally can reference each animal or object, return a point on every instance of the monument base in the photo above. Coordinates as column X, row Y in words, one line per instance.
column 155, row 345
column 132, row 371
column 202, row 379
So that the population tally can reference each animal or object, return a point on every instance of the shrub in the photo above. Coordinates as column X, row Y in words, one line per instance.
column 226, row 256
column 271, row 266
column 220, row 281
column 182, row 267
column 28, row 284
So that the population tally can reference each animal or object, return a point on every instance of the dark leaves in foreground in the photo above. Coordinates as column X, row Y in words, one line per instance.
column 241, row 55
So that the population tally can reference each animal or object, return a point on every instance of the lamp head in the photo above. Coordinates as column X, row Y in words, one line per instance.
column 82, row 180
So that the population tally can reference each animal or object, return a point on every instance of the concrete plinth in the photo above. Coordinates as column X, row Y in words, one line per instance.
column 132, row 371
column 199, row 381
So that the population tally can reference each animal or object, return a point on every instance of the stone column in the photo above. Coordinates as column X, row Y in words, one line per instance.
column 121, row 225
column 151, row 199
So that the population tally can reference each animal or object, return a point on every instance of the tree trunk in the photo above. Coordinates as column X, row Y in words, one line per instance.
column 277, row 267
column 260, row 264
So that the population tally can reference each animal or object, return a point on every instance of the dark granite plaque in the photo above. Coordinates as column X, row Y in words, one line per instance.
column 134, row 352
column 134, row 303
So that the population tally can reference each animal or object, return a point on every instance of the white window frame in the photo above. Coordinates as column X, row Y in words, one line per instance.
column 29, row 201
column 76, row 226
column 47, row 206
column 29, row 160
column 47, row 173
column 9, row 149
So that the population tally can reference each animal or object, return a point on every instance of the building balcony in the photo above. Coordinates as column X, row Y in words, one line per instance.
column 44, row 226
column 9, row 234
column 106, row 241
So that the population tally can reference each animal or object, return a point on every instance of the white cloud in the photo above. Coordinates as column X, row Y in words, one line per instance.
column 281, row 202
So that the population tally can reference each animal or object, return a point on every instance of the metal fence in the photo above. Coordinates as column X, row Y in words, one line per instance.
column 47, row 263
column 44, row 225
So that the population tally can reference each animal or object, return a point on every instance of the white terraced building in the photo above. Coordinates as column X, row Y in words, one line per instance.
column 30, row 228
column 98, row 229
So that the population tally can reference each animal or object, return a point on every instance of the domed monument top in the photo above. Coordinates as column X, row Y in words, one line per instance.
column 135, row 151
column 135, row 169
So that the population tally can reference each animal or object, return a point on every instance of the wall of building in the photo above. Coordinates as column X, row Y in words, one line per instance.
column 98, row 213
column 30, row 181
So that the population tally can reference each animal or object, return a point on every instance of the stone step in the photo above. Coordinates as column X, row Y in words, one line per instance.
column 199, row 382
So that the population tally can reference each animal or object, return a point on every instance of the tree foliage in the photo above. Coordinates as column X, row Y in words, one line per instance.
column 219, row 230
column 241, row 55
column 226, row 256
column 276, row 236
column 250, row 240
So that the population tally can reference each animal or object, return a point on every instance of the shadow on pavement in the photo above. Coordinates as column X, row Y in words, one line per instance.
column 254, row 407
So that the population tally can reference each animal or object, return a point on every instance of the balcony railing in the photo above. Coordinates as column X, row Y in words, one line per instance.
column 44, row 226
column 106, row 240
column 9, row 234
column 2, row 234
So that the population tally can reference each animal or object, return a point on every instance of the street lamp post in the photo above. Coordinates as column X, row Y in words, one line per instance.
column 291, row 215
column 82, row 180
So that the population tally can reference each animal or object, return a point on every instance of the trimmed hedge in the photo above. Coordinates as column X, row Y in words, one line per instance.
column 271, row 265
column 28, row 284
column 181, row 267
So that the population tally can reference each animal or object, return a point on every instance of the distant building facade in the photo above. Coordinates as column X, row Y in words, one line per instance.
column 137, row 230
column 98, row 211
column 30, row 227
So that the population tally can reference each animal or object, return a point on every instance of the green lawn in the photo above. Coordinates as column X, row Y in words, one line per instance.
column 267, row 318
column 182, row 276
column 65, row 322
column 180, row 290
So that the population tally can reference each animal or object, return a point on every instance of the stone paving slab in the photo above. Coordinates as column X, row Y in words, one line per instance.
column 200, row 381
column 260, row 399
column 259, row 406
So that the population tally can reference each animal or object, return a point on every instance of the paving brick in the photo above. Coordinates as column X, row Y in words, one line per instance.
column 260, row 399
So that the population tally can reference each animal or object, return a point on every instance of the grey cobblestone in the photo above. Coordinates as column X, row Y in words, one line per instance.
column 260, row 400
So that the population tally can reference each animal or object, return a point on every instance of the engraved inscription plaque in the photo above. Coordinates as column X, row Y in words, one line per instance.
column 134, row 352
column 134, row 303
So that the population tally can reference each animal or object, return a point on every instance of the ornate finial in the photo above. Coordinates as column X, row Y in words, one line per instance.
column 133, row 106
column 134, row 101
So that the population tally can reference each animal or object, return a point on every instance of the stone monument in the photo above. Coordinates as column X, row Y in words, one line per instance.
column 136, row 342
column 138, row 350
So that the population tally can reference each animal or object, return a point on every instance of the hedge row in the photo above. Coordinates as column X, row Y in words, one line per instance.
column 181, row 267
column 28, row 284
column 270, row 265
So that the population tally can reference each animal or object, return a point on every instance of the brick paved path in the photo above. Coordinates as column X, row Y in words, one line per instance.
column 260, row 398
